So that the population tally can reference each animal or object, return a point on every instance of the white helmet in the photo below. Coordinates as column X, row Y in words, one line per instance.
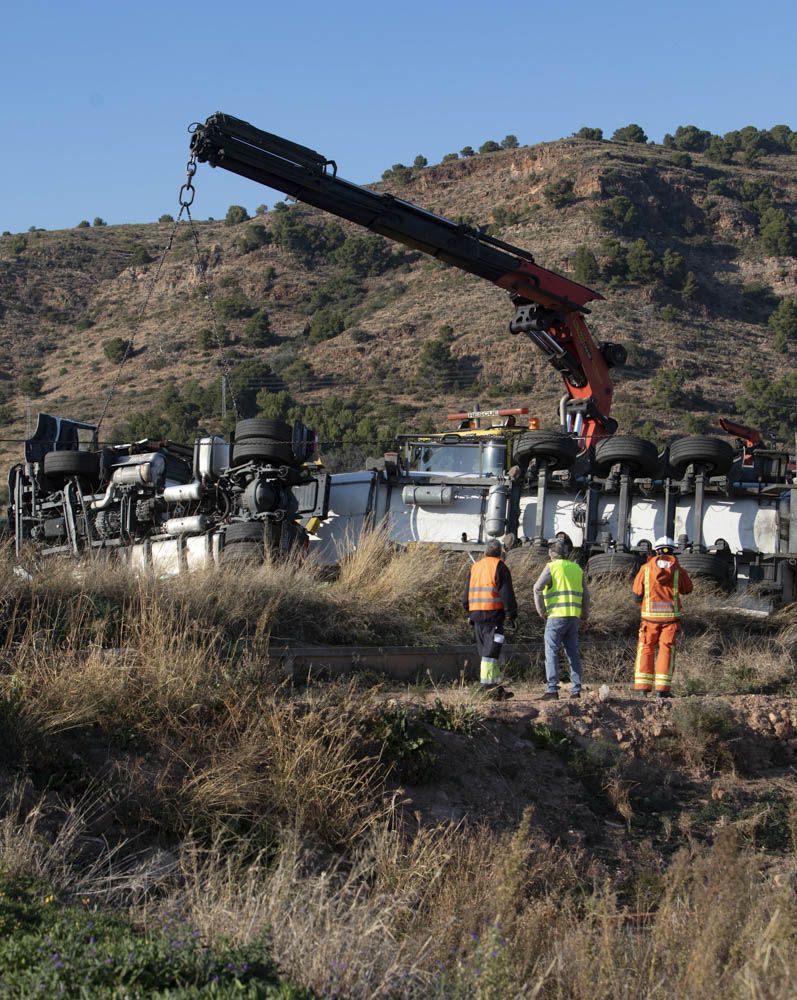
column 664, row 543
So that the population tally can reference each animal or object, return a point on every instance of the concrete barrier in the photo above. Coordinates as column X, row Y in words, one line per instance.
column 400, row 663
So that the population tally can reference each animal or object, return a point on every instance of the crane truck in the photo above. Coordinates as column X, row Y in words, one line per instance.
column 495, row 473
column 732, row 511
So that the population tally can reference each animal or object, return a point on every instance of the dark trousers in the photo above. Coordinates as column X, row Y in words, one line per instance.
column 490, row 646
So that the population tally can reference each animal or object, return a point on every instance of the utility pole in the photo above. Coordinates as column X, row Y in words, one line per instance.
column 223, row 396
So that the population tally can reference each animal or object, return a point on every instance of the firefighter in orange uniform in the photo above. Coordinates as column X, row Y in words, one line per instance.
column 658, row 587
column 489, row 599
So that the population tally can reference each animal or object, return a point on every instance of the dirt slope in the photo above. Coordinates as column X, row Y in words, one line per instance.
column 63, row 294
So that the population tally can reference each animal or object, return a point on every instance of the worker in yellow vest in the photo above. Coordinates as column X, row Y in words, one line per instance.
column 658, row 587
column 490, row 602
column 562, row 599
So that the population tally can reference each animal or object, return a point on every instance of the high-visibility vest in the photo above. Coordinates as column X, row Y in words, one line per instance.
column 483, row 590
column 564, row 594
column 660, row 603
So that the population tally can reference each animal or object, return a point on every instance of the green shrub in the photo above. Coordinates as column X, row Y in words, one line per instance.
column 165, row 217
column 53, row 949
column 509, row 142
column 719, row 151
column 615, row 259
column 325, row 324
column 405, row 746
column 673, row 268
column 30, row 385
column 206, row 338
column 467, row 151
column 505, row 216
column 594, row 134
column 261, row 209
column 669, row 388
column 770, row 405
column 669, row 313
column 236, row 214
column 399, row 173
column 691, row 288
column 643, row 265
column 234, row 305
column 585, row 265
column 308, row 242
column 449, row 157
column 691, row 138
column 629, row 133
column 783, row 323
column 559, row 193
column 455, row 718
column 491, row 146
column 364, row 256
column 681, row 159
column 83, row 224
column 257, row 331
column 777, row 233
column 437, row 368
column 18, row 244
column 299, row 373
column 420, row 162
column 140, row 256
column 618, row 214
column 115, row 349
column 254, row 237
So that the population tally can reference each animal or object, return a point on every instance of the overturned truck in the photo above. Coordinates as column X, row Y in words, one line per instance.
column 730, row 507
column 166, row 506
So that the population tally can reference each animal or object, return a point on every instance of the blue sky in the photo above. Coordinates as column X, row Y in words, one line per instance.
column 97, row 96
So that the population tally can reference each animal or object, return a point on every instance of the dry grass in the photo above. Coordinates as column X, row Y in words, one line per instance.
column 277, row 810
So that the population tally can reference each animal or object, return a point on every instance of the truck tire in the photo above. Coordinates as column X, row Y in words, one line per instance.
column 61, row 465
column 260, row 427
column 243, row 552
column 612, row 564
column 638, row 454
column 707, row 565
column 262, row 450
column 546, row 444
column 712, row 453
column 243, row 532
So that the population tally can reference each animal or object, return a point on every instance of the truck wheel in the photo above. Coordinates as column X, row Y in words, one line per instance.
column 243, row 552
column 716, row 455
column 61, row 465
column 243, row 531
column 637, row 453
column 546, row 444
column 612, row 564
column 707, row 565
column 262, row 450
column 259, row 427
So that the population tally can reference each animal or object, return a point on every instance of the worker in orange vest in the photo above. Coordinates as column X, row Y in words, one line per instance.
column 490, row 602
column 658, row 587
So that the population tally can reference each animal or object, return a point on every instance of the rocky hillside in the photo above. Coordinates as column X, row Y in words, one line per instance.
column 694, row 259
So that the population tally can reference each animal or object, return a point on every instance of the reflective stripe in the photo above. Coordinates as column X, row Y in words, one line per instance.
column 660, row 610
column 490, row 672
column 483, row 593
column 564, row 594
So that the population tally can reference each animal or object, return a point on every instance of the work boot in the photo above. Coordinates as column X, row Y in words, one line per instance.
column 498, row 692
column 575, row 694
column 550, row 696
column 663, row 694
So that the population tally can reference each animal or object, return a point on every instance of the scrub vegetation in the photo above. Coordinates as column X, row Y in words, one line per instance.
column 177, row 816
